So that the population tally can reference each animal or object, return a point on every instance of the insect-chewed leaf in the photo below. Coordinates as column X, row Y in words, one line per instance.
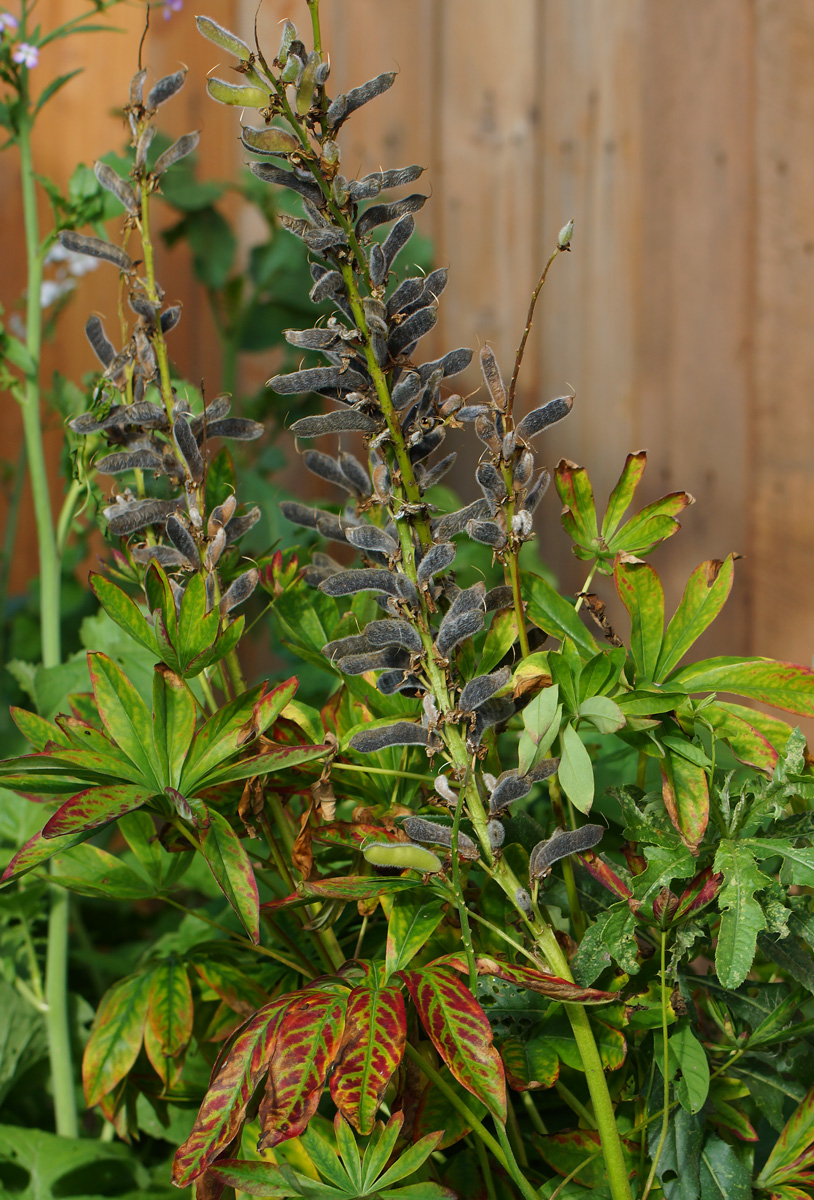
column 373, row 660
column 239, row 428
column 307, row 1044
column 183, row 540
column 165, row 89
column 116, row 1036
column 499, row 597
column 335, row 422
column 540, row 418
column 102, row 348
column 487, row 533
column 562, row 843
column 491, row 712
column 370, row 537
column 409, row 332
column 269, row 139
column 355, row 474
column 454, row 630
column 451, row 364
column 81, row 243
column 397, row 239
column 317, row 378
column 239, row 591
column 491, row 482
column 224, row 38
column 345, row 104
column 174, row 153
column 438, row 558
column 370, row 1053
column 355, row 644
column 119, row 187
column 510, row 787
column 380, row 214
column 393, row 633
column 402, row 733
column 347, row 583
column 494, row 380
column 482, row 688
column 271, row 174
column 185, row 441
column 422, row 830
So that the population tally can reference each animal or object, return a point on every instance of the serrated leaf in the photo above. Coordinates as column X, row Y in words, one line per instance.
column 781, row 684
column 742, row 917
column 232, row 869
column 706, row 593
column 576, row 773
column 116, row 1036
column 640, row 591
column 412, row 921
column 723, row 1175
column 169, row 1013
column 370, row 1052
column 553, row 614
column 124, row 714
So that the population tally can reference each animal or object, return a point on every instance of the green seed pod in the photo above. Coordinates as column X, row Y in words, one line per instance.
column 403, row 856
column 223, row 37
column 245, row 95
column 306, row 89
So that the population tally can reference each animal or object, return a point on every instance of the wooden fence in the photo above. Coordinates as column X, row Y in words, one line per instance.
column 680, row 136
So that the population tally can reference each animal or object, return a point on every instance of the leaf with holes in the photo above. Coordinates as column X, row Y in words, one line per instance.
column 370, row 1052
column 116, row 1036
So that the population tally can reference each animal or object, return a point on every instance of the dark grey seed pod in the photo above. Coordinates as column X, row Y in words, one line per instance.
column 381, row 214
column 451, row 364
column 325, row 467
column 490, row 482
column 336, row 422
column 102, row 348
column 183, row 541
column 389, row 658
column 165, row 556
column 429, row 476
column 403, row 733
column 397, row 239
column 435, row 834
column 393, row 633
column 357, row 479
column 561, row 844
column 456, row 630
column 124, row 519
column 471, row 412
column 406, row 390
column 144, row 308
column 450, row 406
column 296, row 225
column 438, row 558
column 342, row 647
column 174, row 153
column 405, row 294
column 143, row 460
column 494, row 380
column 216, row 410
column 146, row 415
column 348, row 583
column 496, row 834
column 188, row 447
column 499, row 597
column 330, row 283
column 356, row 97
column 523, row 901
column 80, row 243
column 487, row 533
column 407, row 591
column 487, row 433
column 321, row 240
column 316, row 378
column 269, row 173
column 510, row 787
column 311, row 339
column 136, row 89
column 523, row 467
column 221, row 516
column 214, row 550
column 395, row 178
column 87, row 423
column 332, row 527
column 522, row 525
column 371, row 538
column 375, row 314
column 493, row 712
column 545, row 768
column 321, row 73
column 388, row 605
column 425, row 447
column 119, row 187
column 390, row 682
column 540, row 418
column 482, row 688
column 409, row 332
column 144, row 352
column 377, row 265
column 170, row 318
column 382, row 483
column 378, row 344
column 434, row 285
column 509, row 446
column 469, row 600
column 298, row 514
column 165, row 89
column 536, row 493
column 336, row 111
column 239, row 591
column 143, row 146
column 240, row 525
column 454, row 523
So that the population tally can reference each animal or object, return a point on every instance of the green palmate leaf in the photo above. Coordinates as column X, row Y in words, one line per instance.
column 529, row 1065
column 259, row 1178
column 622, row 495
column 169, row 1015
column 230, row 1090
column 380, row 1148
column 706, row 593
column 781, row 684
column 90, row 871
column 94, row 807
column 412, row 922
column 554, row 615
column 685, row 790
column 272, row 758
column 576, row 773
column 173, row 723
column 116, row 1036
column 408, row 1162
column 229, row 729
column 690, row 1057
column 640, row 591
column 36, row 730
column 541, row 720
column 325, row 1159
column 197, row 628
column 793, row 1151
column 603, row 713
column 308, row 1041
column 370, row 1052
column 459, row 1029
column 742, row 917
column 232, row 869
column 579, row 513
column 501, row 637
column 124, row 714
column 651, row 525
column 723, row 1176
column 38, row 850
column 124, row 611
column 235, row 988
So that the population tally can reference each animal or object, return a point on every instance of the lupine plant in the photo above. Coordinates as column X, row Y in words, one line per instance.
column 411, row 961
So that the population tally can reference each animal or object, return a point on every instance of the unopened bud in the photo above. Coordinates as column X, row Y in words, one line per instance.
column 565, row 235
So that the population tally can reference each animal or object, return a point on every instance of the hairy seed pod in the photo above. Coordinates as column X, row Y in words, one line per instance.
column 223, row 38
column 419, row 829
column 292, row 71
column 523, row 901
column 378, row 344
column 441, row 785
column 382, row 214
column 288, row 37
column 118, row 186
column 509, row 787
column 335, row 422
column 239, row 591
column 411, row 330
column 438, row 558
column 102, row 348
column 455, row 630
column 371, row 538
column 278, row 175
column 407, row 591
column 496, row 835
column 183, row 541
column 221, row 515
column 344, row 105
column 299, row 514
column 469, row 600
column 451, row 364
column 124, row 519
column 561, row 844
column 471, row 412
column 315, row 379
column 450, row 406
column 325, row 467
column 397, row 239
column 342, row 647
column 375, row 314
column 170, row 318
column 482, row 688
column 492, row 712
column 174, row 153
column 239, row 428
column 321, row 240
column 434, row 285
column 393, row 633
column 390, row 682
column 144, row 308
column 389, row 658
column 215, row 549
column 145, row 352
column 428, row 477
column 188, row 447
column 453, row 523
column 377, row 265
column 142, row 460
column 269, row 139
column 311, row 339
column 321, row 73
column 522, row 524
column 490, row 482
column 509, row 446
column 336, row 111
column 536, row 493
column 165, row 89
column 388, row 604
column 499, row 597
column 397, row 177
column 334, row 528
column 382, row 483
column 540, row 418
column 406, row 390
column 543, row 770
column 80, row 243
column 523, row 467
column 405, row 294
column 487, row 533
column 136, row 89
column 357, row 479
column 143, row 146
column 165, row 556
column 328, row 284
column 494, row 380
column 348, row 583
column 402, row 733
column 240, row 525
column 487, row 432
column 425, row 447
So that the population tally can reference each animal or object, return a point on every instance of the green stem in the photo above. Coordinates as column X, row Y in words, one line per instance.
column 533, row 1114
column 517, row 595
column 460, row 902
column 9, row 543
column 511, row 1162
column 574, row 1103
column 665, row 1070
column 57, row 1023
column 159, row 345
column 66, row 514
column 313, row 5
column 515, row 1136
column 585, row 586
column 340, row 766
column 236, row 937
column 485, row 1169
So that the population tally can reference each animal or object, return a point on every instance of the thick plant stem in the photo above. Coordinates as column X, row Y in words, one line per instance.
column 59, row 1033
column 665, row 1070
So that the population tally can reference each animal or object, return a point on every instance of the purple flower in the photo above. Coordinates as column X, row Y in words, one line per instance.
column 7, row 21
column 26, row 55
column 171, row 6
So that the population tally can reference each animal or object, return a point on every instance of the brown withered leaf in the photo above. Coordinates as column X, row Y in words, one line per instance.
column 596, row 608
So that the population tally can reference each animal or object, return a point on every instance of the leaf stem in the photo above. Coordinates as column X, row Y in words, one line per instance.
column 665, row 1070
column 521, row 349
column 586, row 585
column 574, row 1103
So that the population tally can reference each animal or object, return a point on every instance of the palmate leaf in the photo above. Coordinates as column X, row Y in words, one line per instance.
column 38, row 850
column 174, row 718
column 350, row 888
column 124, row 611
column 259, row 1178
column 124, row 715
column 554, row 615
column 531, row 979
column 460, row 1031
column 94, row 807
column 116, row 1037
column 91, row 871
column 793, row 1152
column 705, row 595
column 780, row 684
column 370, row 1052
column 743, row 917
column 237, row 990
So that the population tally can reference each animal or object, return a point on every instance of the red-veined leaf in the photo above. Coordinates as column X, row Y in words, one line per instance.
column 35, row 729
column 232, row 869
column 700, row 892
column 173, row 722
column 530, row 1065
column 748, row 743
column 460, row 1031
column 116, row 1036
column 307, row 1044
column 371, row 1050
column 534, row 981
column 124, row 611
column 237, row 990
column 781, row 684
column 169, row 1014
column 352, row 887
column 93, row 807
column 685, row 791
column 38, row 850
column 640, row 591
column 568, row 1152
column 793, row 1151
column 347, row 833
column 705, row 595
column 775, row 730
column 124, row 714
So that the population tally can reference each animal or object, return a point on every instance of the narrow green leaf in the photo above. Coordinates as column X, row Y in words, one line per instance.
column 651, row 525
column 116, row 1036
column 742, row 917
column 731, row 723
column 691, row 1059
column 350, row 888
column 380, row 1148
column 640, row 591
column 124, row 611
column 579, row 513
column 413, row 920
column 541, row 719
column 795, row 1141
column 232, row 869
column 370, row 1052
column 169, row 1014
column 272, row 758
column 554, row 615
column 124, row 714
column 784, row 685
column 499, row 640
column 90, row 871
column 173, row 723
column 706, row 593
column 622, row 494
column 685, row 790
column 409, row 1161
column 219, row 738
column 576, row 773
column 36, row 730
